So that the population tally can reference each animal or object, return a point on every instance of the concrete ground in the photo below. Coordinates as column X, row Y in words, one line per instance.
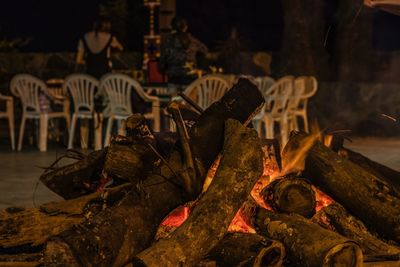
column 19, row 171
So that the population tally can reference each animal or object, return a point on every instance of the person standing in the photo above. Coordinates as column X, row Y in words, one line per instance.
column 179, row 52
column 94, row 49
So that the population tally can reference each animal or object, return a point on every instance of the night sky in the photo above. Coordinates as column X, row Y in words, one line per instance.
column 56, row 25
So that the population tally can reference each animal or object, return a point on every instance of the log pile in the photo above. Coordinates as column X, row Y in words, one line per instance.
column 117, row 198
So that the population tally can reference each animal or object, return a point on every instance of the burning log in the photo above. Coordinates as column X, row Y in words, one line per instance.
column 69, row 181
column 240, row 167
column 290, row 195
column 383, row 172
column 115, row 235
column 360, row 192
column 345, row 224
column 253, row 250
column 308, row 244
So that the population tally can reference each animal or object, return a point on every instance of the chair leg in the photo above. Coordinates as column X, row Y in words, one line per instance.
column 21, row 132
column 121, row 127
column 84, row 130
column 108, row 131
column 258, row 126
column 284, row 131
column 156, row 119
column 269, row 128
column 72, row 132
column 43, row 121
column 12, row 130
column 68, row 122
column 305, row 120
column 98, row 131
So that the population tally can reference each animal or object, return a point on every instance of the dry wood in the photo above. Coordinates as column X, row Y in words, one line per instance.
column 238, row 249
column 28, row 228
column 383, row 172
column 240, row 167
column 129, row 160
column 308, row 244
column 364, row 195
column 115, row 235
column 69, row 181
column 291, row 195
column 345, row 224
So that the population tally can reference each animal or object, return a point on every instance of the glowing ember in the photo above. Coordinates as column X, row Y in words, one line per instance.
column 242, row 220
column 322, row 199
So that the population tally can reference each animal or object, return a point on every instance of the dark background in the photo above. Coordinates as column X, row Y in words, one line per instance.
column 56, row 25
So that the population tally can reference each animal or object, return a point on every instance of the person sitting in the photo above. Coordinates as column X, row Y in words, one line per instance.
column 179, row 52
column 94, row 49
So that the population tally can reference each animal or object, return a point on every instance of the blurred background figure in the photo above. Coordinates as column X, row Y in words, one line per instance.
column 94, row 49
column 181, row 54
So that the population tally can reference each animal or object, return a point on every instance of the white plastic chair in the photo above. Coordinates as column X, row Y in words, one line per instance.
column 264, row 83
column 274, row 110
column 28, row 88
column 304, row 88
column 82, row 88
column 207, row 90
column 9, row 115
column 118, row 88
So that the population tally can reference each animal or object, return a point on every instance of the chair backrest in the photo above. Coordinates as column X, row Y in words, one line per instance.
column 82, row 88
column 299, row 86
column 304, row 88
column 311, row 87
column 264, row 83
column 278, row 95
column 207, row 90
column 119, row 87
column 28, row 87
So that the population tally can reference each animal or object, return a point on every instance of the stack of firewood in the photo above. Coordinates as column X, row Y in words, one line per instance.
column 116, row 199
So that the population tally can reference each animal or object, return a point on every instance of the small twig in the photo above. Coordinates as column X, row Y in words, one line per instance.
column 166, row 164
column 189, row 175
column 191, row 102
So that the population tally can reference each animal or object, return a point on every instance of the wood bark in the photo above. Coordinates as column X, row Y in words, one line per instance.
column 337, row 217
column 308, row 244
column 291, row 195
column 115, row 235
column 27, row 229
column 238, row 249
column 383, row 172
column 365, row 196
column 69, row 181
column 240, row 167
column 130, row 161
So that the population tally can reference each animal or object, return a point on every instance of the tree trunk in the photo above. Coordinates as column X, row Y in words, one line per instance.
column 350, row 227
column 308, row 244
column 360, row 192
column 117, row 234
column 290, row 195
column 240, row 167
column 253, row 250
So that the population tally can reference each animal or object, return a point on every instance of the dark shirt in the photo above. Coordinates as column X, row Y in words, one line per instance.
column 177, row 50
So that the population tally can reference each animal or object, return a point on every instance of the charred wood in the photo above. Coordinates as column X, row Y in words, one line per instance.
column 363, row 194
column 308, row 244
column 337, row 217
column 115, row 235
column 71, row 181
column 238, row 249
column 290, row 195
column 240, row 167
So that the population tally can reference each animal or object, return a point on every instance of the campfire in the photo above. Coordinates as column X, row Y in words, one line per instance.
column 213, row 194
